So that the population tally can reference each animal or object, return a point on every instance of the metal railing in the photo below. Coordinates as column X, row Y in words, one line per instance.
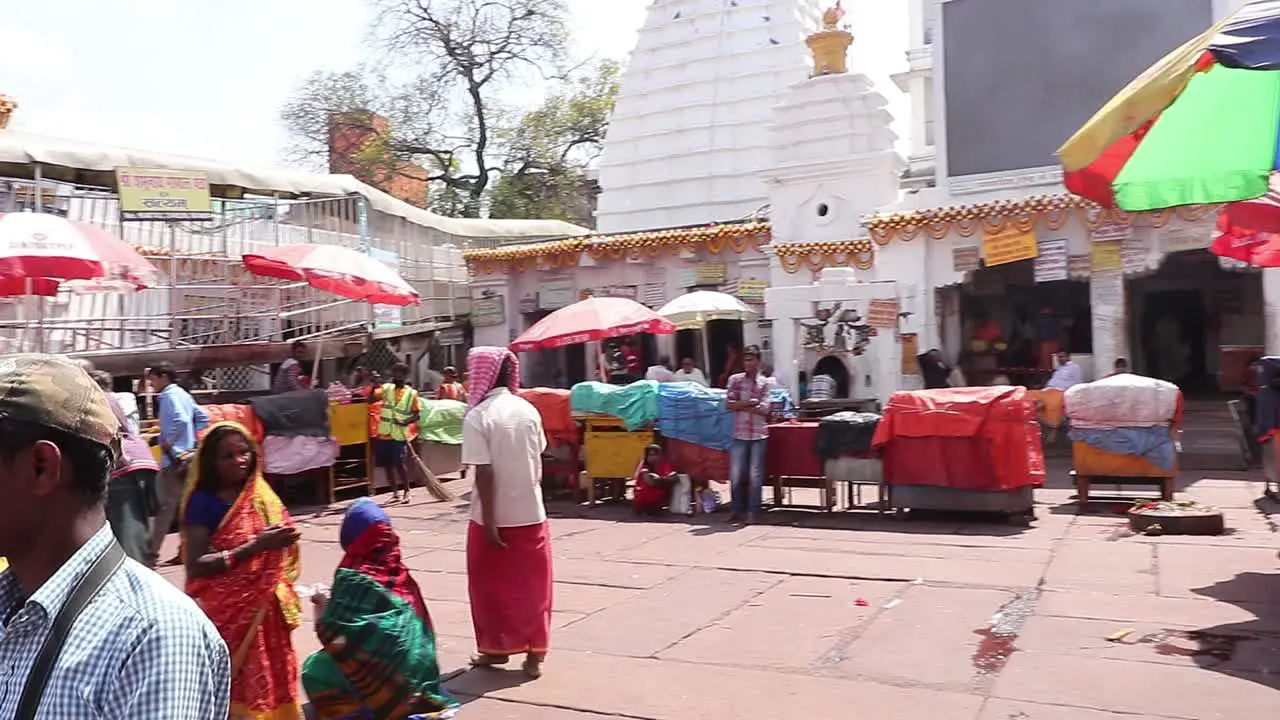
column 206, row 297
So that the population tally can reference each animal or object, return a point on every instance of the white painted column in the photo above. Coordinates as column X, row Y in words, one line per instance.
column 1271, row 309
column 1110, row 336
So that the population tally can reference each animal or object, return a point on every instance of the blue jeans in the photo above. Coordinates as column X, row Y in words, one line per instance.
column 746, row 475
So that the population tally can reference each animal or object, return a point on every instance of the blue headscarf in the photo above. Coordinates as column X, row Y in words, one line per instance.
column 363, row 514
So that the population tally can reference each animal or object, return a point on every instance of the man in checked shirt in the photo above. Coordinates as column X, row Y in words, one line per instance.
column 747, row 397
column 139, row 648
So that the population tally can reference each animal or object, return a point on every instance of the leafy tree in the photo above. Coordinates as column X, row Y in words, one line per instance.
column 461, row 56
column 547, row 154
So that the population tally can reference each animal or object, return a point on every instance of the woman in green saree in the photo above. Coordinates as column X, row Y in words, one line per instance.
column 379, row 656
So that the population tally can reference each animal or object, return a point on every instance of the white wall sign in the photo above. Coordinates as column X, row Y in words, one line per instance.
column 1051, row 263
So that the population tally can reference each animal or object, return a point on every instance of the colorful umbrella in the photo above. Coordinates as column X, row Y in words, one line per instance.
column 39, row 252
column 340, row 270
column 1198, row 127
column 590, row 320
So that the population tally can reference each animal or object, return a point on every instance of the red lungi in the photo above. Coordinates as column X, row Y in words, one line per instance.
column 510, row 589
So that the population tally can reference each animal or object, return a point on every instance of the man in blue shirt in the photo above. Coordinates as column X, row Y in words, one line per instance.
column 136, row 647
column 181, row 421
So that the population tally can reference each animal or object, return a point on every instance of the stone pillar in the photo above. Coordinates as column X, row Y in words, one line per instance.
column 1110, row 335
column 1271, row 310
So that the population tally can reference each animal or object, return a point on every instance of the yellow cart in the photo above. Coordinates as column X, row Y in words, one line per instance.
column 612, row 454
column 349, row 425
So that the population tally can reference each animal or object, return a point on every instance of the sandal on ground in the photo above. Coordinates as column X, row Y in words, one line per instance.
column 483, row 660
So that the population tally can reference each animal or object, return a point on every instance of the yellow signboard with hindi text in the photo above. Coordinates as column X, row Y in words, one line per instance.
column 1009, row 244
column 163, row 195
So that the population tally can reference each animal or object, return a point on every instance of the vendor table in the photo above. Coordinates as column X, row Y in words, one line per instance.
column 1093, row 466
column 791, row 462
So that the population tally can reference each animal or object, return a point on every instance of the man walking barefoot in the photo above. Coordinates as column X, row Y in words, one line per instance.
column 508, row 541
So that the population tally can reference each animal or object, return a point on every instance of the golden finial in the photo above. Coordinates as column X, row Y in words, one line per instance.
column 7, row 106
column 830, row 46
column 832, row 17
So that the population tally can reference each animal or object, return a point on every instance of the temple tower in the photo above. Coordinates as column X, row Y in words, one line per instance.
column 690, row 136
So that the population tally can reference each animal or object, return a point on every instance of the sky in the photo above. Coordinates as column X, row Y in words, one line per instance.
column 208, row 79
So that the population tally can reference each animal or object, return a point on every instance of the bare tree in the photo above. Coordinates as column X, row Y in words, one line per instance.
column 462, row 56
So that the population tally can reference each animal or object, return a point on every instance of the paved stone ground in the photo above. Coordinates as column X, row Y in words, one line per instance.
column 863, row 616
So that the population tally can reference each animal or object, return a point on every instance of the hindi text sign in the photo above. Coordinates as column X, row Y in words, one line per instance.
column 1009, row 245
column 154, row 194
column 882, row 313
column 1106, row 256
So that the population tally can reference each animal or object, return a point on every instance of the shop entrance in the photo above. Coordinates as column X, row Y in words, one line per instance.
column 1011, row 325
column 1188, row 318
column 724, row 341
column 1173, row 339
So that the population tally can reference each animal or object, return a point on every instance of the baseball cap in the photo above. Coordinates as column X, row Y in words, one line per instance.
column 55, row 392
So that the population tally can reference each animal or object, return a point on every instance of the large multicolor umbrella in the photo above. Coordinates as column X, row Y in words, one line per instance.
column 333, row 268
column 591, row 320
column 40, row 252
column 1198, row 127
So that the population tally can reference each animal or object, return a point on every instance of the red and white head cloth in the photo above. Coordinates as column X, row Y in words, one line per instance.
column 483, row 364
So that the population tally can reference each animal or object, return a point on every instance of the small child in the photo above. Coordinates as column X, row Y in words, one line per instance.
column 653, row 479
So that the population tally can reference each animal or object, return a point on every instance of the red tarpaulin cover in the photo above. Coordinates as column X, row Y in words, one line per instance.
column 980, row 438
column 699, row 463
column 790, row 451
column 557, row 418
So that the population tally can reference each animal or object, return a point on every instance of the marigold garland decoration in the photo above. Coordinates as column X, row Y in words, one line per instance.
column 559, row 254
column 858, row 254
column 993, row 217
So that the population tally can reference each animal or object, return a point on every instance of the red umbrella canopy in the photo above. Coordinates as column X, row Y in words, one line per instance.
column 332, row 268
column 1259, row 248
column 39, row 251
column 592, row 319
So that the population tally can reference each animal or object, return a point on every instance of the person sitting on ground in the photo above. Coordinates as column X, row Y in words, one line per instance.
column 661, row 372
column 652, row 480
column 689, row 372
column 379, row 656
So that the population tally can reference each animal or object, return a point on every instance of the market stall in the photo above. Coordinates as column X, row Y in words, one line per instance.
column 1124, row 431
column 561, row 463
column 843, row 443
column 791, row 463
column 353, row 467
column 971, row 449
column 619, row 426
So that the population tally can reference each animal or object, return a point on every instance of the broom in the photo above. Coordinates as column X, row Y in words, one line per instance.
column 434, row 486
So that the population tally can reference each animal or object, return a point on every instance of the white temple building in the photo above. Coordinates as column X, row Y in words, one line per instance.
column 969, row 244
column 689, row 134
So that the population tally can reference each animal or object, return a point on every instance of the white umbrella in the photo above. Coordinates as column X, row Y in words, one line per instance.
column 692, row 311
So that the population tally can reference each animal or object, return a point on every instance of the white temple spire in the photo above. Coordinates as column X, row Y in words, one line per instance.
column 690, row 132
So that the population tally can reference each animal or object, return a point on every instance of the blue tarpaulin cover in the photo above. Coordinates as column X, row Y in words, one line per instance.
column 695, row 414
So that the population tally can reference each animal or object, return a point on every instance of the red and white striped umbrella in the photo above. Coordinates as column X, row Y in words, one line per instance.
column 39, row 252
column 589, row 320
column 340, row 270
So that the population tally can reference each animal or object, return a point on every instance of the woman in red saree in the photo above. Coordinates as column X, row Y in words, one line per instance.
column 241, row 554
